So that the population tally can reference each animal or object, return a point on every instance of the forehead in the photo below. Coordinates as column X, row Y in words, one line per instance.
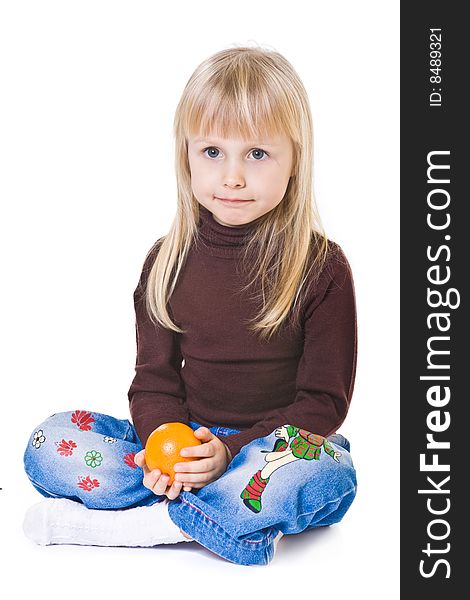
column 233, row 126
column 263, row 139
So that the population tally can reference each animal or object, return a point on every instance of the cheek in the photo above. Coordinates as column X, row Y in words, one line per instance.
column 201, row 182
column 198, row 178
column 200, row 172
column 275, row 186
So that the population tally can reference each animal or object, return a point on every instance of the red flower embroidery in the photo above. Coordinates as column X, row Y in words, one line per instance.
column 129, row 460
column 87, row 483
column 82, row 419
column 65, row 448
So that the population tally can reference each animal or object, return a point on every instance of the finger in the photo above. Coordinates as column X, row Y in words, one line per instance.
column 174, row 490
column 151, row 478
column 161, row 485
column 139, row 458
column 196, row 486
column 197, row 466
column 204, row 431
column 146, row 470
column 204, row 434
column 194, row 478
column 204, row 450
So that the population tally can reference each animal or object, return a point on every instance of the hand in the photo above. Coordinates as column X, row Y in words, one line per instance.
column 156, row 481
column 281, row 432
column 213, row 457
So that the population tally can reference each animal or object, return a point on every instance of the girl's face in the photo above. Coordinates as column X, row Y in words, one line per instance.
column 255, row 173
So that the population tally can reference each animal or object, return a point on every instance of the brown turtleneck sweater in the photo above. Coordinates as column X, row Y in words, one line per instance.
column 303, row 377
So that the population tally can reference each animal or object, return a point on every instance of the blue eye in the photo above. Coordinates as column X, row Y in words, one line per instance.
column 211, row 149
column 256, row 153
column 213, row 152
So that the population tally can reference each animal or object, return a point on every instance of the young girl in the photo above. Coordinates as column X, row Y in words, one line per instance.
column 246, row 332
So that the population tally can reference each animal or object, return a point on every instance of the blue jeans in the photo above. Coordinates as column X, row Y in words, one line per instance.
column 288, row 481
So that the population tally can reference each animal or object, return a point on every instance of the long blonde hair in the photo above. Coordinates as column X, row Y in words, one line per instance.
column 247, row 92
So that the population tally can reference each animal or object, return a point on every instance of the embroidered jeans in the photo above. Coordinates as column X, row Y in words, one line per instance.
column 288, row 481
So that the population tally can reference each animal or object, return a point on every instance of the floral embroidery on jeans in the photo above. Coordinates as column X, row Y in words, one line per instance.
column 93, row 458
column 66, row 448
column 82, row 419
column 38, row 439
column 129, row 460
column 87, row 483
column 109, row 440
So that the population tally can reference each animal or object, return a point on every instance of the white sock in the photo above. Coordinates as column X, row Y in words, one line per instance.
column 63, row 521
column 276, row 540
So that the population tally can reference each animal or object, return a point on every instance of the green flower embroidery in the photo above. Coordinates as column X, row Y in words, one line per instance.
column 93, row 458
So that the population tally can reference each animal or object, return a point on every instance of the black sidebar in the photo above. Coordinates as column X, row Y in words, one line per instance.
column 435, row 269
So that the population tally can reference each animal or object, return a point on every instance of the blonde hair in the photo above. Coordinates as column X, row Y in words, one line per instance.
column 247, row 92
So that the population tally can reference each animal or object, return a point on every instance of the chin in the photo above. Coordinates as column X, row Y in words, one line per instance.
column 231, row 222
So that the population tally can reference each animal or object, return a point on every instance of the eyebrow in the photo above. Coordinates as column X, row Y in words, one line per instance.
column 199, row 140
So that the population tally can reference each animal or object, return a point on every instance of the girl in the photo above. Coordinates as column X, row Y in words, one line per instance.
column 246, row 331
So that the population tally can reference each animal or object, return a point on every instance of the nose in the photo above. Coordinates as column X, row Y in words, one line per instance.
column 233, row 176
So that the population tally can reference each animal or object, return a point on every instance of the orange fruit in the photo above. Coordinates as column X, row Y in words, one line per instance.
column 162, row 450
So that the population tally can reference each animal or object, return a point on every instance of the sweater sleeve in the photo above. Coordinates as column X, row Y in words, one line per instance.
column 157, row 393
column 327, row 367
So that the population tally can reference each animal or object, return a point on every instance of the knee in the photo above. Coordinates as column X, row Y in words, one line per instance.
column 37, row 455
column 334, row 478
column 32, row 453
column 344, row 471
column 46, row 444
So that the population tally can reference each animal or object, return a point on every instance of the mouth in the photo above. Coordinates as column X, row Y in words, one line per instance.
column 233, row 200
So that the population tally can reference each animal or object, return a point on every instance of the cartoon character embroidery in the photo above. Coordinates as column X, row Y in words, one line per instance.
column 305, row 445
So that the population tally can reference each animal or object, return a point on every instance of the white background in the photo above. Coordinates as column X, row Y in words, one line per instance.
column 88, row 96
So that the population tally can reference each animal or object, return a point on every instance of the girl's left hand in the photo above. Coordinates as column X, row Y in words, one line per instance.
column 213, row 458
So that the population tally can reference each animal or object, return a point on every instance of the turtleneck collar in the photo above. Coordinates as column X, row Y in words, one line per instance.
column 221, row 240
